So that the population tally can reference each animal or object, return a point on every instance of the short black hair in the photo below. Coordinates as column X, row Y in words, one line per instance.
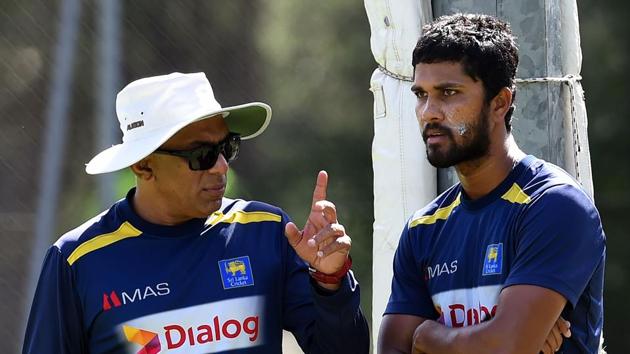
column 484, row 45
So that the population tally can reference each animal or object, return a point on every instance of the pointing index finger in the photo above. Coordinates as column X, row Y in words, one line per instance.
column 320, row 187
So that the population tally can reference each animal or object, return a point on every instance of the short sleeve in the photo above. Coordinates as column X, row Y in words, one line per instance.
column 410, row 294
column 55, row 321
column 559, row 244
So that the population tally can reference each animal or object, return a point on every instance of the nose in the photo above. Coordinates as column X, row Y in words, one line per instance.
column 221, row 166
column 428, row 110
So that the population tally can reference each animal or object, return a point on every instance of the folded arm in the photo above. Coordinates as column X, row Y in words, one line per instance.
column 525, row 316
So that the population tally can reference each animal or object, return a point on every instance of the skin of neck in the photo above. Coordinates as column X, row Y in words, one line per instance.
column 479, row 177
column 152, row 207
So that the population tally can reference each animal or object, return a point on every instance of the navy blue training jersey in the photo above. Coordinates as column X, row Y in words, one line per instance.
column 537, row 227
column 229, row 283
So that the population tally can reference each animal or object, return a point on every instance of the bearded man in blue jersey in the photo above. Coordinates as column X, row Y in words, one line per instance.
column 494, row 263
column 177, row 267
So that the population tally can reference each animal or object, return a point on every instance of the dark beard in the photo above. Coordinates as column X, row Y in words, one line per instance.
column 475, row 147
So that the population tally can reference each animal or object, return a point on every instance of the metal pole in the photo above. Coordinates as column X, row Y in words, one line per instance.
column 54, row 144
column 108, row 73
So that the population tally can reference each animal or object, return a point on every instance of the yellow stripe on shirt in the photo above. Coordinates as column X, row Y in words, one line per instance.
column 125, row 230
column 242, row 217
column 516, row 195
column 440, row 214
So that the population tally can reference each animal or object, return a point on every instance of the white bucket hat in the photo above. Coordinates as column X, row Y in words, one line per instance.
column 153, row 109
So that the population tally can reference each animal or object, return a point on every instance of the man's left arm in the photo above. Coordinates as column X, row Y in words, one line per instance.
column 525, row 316
column 559, row 246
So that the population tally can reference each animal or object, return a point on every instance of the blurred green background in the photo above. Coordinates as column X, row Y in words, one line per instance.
column 311, row 62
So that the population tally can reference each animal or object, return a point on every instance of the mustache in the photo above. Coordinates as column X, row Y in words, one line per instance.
column 435, row 128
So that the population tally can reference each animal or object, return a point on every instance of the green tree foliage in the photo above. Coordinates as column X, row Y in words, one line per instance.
column 606, row 75
column 317, row 65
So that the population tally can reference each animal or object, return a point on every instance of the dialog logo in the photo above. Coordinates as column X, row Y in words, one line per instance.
column 236, row 272
column 207, row 328
column 467, row 307
column 214, row 330
column 493, row 261
column 149, row 341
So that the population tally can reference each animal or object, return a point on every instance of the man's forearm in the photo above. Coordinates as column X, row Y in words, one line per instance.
column 432, row 337
column 340, row 327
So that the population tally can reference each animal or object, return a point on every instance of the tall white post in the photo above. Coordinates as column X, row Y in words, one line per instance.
column 403, row 178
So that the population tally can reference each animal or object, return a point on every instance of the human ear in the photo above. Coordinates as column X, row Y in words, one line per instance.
column 142, row 169
column 500, row 104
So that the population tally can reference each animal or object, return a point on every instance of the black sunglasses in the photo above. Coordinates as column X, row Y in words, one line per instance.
column 205, row 156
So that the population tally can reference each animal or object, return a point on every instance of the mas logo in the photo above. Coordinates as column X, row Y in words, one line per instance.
column 149, row 341
column 493, row 262
column 136, row 295
column 236, row 272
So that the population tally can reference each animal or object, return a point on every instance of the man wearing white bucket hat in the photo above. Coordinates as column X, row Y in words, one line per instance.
column 175, row 266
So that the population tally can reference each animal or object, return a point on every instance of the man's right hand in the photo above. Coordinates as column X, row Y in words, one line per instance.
column 323, row 242
column 554, row 340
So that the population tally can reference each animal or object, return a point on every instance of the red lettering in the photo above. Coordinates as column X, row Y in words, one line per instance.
column 454, row 322
column 462, row 316
column 251, row 330
column 237, row 330
column 487, row 314
column 169, row 339
column 472, row 316
column 205, row 334
column 191, row 337
column 217, row 328
column 177, row 336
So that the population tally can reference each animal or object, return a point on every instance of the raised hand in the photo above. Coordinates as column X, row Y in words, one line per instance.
column 322, row 242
